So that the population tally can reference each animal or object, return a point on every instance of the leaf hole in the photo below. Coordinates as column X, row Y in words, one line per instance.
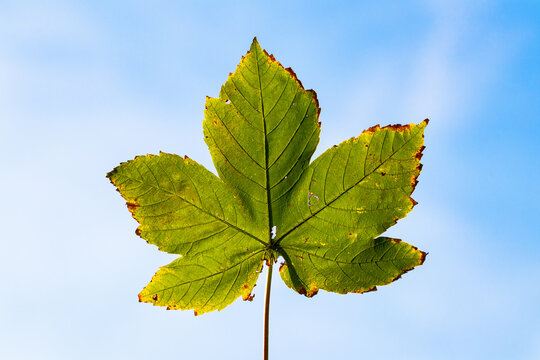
column 310, row 195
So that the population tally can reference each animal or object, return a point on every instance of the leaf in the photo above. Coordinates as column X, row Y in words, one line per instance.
column 350, row 195
column 261, row 132
column 328, row 215
column 185, row 209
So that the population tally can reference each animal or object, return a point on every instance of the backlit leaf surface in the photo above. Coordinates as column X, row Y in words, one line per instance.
column 328, row 214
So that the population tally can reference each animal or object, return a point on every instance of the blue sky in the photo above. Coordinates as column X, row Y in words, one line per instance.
column 87, row 85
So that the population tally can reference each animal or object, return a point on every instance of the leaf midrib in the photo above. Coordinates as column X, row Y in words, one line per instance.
column 266, row 172
column 345, row 262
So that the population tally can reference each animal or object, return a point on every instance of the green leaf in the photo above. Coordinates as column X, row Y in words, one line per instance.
column 261, row 132
column 185, row 209
column 350, row 195
column 357, row 267
column 328, row 215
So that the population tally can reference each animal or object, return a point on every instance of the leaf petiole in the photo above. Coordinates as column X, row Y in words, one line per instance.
column 267, row 310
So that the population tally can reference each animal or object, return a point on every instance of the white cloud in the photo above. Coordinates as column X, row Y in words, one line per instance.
column 445, row 76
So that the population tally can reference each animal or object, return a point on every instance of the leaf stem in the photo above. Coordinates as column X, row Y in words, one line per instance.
column 267, row 310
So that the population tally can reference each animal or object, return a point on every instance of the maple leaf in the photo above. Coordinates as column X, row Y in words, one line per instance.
column 323, row 218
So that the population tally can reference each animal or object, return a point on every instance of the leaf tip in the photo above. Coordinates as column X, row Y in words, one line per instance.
column 423, row 256
column 255, row 45
column 421, row 260
column 110, row 174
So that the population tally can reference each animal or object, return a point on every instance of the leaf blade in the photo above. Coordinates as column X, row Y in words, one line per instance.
column 347, row 201
column 205, row 282
column 350, row 195
column 192, row 200
column 248, row 131
column 184, row 209
column 356, row 267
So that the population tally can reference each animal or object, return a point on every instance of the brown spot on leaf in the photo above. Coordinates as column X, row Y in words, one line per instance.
column 215, row 122
column 368, row 290
column 395, row 127
column 398, row 127
column 271, row 56
column 312, row 292
column 292, row 73
column 138, row 231
column 281, row 266
column 372, row 129
column 195, row 313
column 422, row 257
column 383, row 173
column 419, row 153
column 248, row 297
column 155, row 297
column 132, row 205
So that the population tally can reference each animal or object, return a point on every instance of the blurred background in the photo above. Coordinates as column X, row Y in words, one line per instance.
column 87, row 85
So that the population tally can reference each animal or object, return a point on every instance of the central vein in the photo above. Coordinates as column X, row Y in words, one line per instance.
column 267, row 179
